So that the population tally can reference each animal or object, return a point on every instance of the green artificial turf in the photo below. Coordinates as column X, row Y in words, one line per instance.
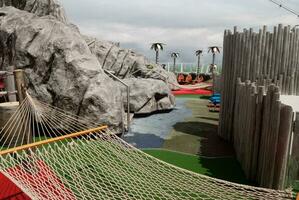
column 197, row 133
column 296, row 186
column 222, row 168
column 205, row 97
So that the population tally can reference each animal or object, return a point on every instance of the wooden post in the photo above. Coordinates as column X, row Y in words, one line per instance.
column 285, row 130
column 272, row 137
column 274, row 52
column 10, row 85
column 21, row 89
column 259, row 54
column 257, row 132
column 20, row 85
column 279, row 50
column 262, row 173
column 270, row 56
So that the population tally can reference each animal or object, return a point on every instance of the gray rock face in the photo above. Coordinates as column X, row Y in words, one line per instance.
column 38, row 7
column 60, row 68
column 148, row 95
column 126, row 63
column 146, row 80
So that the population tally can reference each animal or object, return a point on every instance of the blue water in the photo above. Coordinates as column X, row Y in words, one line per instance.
column 151, row 131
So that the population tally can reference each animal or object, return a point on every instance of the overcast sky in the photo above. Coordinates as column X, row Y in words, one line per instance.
column 184, row 25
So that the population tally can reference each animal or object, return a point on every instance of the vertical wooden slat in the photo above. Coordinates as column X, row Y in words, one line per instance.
column 280, row 164
column 279, row 50
column 274, row 54
column 257, row 132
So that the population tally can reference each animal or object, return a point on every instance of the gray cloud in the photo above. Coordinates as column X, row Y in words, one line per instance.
column 184, row 25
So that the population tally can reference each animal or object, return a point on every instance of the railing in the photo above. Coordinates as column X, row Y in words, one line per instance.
column 128, row 97
column 188, row 68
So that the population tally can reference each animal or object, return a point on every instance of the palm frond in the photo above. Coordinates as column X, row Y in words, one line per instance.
column 158, row 46
column 175, row 55
column 214, row 49
column 198, row 52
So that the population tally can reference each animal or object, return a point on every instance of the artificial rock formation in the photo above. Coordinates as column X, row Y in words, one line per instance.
column 65, row 69
column 126, row 63
column 149, row 91
column 59, row 66
column 149, row 95
column 38, row 7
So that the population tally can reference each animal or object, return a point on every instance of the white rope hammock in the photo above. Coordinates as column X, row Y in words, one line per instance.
column 50, row 154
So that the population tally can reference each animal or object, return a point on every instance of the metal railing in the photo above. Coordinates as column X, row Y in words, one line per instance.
column 128, row 97
column 188, row 68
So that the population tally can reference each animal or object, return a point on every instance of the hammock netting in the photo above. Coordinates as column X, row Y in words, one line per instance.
column 50, row 154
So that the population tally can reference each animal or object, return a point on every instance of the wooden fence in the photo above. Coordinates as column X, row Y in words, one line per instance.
column 262, row 132
column 267, row 57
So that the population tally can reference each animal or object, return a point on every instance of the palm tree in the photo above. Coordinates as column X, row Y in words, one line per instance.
column 198, row 54
column 157, row 47
column 174, row 56
column 214, row 50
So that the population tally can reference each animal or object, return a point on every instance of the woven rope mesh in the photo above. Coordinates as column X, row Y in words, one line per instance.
column 88, row 162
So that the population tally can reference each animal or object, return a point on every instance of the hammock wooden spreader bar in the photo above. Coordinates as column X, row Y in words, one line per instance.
column 56, row 139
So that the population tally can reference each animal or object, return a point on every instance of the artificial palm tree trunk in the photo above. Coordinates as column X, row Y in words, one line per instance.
column 174, row 64
column 198, row 66
column 213, row 73
column 157, row 57
column 214, row 57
